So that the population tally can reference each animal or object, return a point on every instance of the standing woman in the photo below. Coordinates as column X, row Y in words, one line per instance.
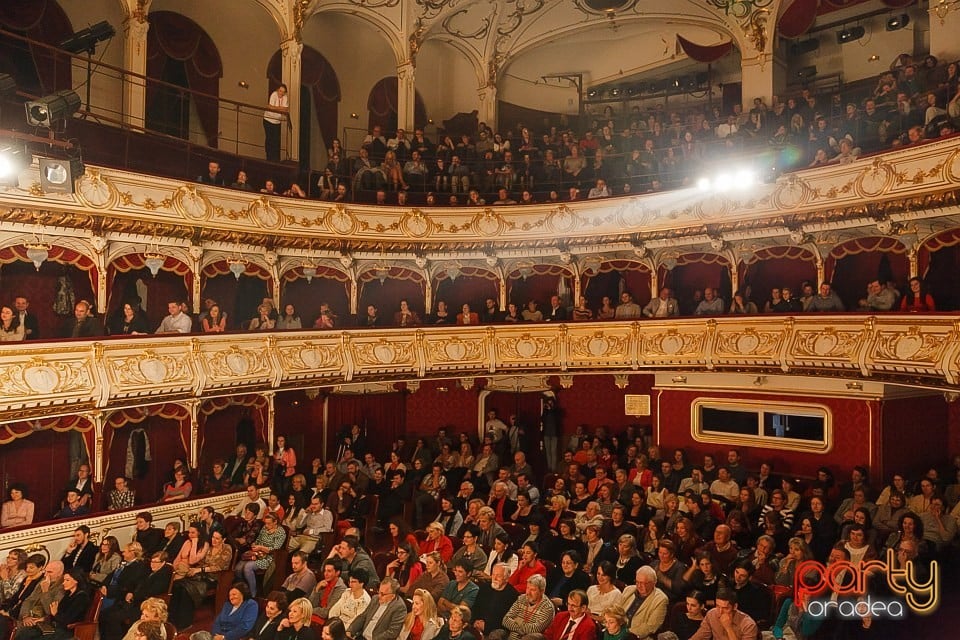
column 285, row 465
column 296, row 626
column 272, row 118
column 422, row 622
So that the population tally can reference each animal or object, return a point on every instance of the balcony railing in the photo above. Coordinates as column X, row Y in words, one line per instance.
column 78, row 376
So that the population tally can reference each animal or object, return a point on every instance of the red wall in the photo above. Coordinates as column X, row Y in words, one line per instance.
column 428, row 408
column 39, row 461
column 909, row 445
column 852, row 420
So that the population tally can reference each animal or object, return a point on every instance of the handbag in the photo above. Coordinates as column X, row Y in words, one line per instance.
column 46, row 627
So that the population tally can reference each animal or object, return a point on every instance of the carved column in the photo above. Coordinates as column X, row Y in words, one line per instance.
column 135, row 29
column 271, row 418
column 406, row 96
column 100, row 256
column 944, row 26
column 291, row 50
column 272, row 260
column 98, row 420
column 196, row 254
column 488, row 104
column 194, row 407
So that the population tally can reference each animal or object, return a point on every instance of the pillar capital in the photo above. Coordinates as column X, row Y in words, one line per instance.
column 406, row 95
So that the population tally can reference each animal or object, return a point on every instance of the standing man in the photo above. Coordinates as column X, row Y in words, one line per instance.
column 272, row 118
column 31, row 328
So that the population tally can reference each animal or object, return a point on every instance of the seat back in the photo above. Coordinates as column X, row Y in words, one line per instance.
column 93, row 613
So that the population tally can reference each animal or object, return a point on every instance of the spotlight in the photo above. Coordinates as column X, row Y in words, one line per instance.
column 14, row 158
column 53, row 108
column 737, row 180
column 87, row 39
column 58, row 176
column 895, row 23
column 850, row 34
column 615, row 92
column 592, row 93
column 806, row 73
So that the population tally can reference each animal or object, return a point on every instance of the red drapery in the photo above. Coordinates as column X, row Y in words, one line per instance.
column 797, row 18
column 853, row 264
column 702, row 53
column 175, row 37
column 218, row 425
column 543, row 282
column 381, row 415
column 382, row 105
column 57, row 254
column 43, row 21
column 168, row 431
column 316, row 73
column 400, row 284
column 173, row 281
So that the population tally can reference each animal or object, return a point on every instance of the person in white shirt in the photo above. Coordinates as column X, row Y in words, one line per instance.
column 177, row 321
column 272, row 118
column 663, row 306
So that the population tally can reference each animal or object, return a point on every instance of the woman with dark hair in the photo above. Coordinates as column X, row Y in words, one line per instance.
column 17, row 511
column 604, row 593
column 215, row 321
column 334, row 630
column 502, row 553
column 406, row 568
column 10, row 328
column 917, row 300
column 71, row 608
column 685, row 623
column 130, row 321
column 189, row 592
column 449, row 516
column 400, row 533
column 180, row 488
column 192, row 553
column 530, row 565
column 565, row 539
column 565, row 577
column 106, row 561
column 33, row 574
column 237, row 616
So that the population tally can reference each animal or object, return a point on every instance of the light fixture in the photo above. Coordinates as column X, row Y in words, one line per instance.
column 850, row 34
column 943, row 9
column 243, row 84
column 53, row 108
column 86, row 40
column 873, row 58
column 615, row 92
column 14, row 158
column 309, row 272
column 592, row 93
column 59, row 176
column 679, row 379
column 237, row 266
column 525, row 269
column 855, row 386
column 354, row 115
column 590, row 265
column 895, row 23
column 154, row 260
column 37, row 253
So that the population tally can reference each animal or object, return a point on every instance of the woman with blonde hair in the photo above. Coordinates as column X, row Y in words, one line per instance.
column 151, row 609
column 422, row 622
column 434, row 577
column 296, row 626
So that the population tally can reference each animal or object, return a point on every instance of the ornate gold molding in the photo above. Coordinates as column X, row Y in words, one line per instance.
column 49, row 379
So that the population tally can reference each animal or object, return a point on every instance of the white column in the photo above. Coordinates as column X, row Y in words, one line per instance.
column 762, row 77
column 135, row 30
column 944, row 26
column 291, row 50
column 194, row 407
column 271, row 419
column 488, row 105
column 406, row 96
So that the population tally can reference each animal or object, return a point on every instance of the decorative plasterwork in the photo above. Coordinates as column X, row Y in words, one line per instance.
column 66, row 378
column 917, row 181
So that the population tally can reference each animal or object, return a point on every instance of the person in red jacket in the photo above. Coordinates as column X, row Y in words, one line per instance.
column 575, row 623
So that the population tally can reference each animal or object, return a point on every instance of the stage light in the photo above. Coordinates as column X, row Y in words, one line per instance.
column 14, row 158
column 87, row 39
column 592, row 93
column 895, row 23
column 53, row 108
column 615, row 92
column 58, row 176
column 850, row 34
column 740, row 179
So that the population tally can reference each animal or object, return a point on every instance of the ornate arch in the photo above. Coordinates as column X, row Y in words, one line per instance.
column 395, row 39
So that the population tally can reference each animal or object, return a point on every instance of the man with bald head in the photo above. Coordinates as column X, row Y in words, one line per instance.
column 49, row 590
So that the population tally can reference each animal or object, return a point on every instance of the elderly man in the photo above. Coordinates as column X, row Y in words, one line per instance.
column 383, row 617
column 711, row 305
column 663, row 306
column 494, row 600
column 645, row 604
column 532, row 612
column 726, row 621
column 46, row 593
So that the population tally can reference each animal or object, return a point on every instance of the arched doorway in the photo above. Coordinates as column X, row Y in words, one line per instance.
column 382, row 106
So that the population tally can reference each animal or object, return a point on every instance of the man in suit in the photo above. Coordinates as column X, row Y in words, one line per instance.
column 556, row 313
column 83, row 324
column 645, row 604
column 266, row 626
column 80, row 552
column 237, row 466
column 468, row 317
column 136, row 582
column 383, row 617
column 29, row 322
column 575, row 623
column 663, row 306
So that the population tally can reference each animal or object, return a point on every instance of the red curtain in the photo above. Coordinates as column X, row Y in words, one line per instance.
column 43, row 21
column 400, row 284
column 777, row 267
column 167, row 285
column 307, row 297
column 797, row 18
column 316, row 73
column 382, row 105
column 38, row 461
column 541, row 285
column 175, row 37
column 702, row 53
column 165, row 432
column 382, row 415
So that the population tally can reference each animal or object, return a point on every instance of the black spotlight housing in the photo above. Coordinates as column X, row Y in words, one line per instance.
column 87, row 39
column 59, row 176
column 850, row 34
column 53, row 108
column 895, row 23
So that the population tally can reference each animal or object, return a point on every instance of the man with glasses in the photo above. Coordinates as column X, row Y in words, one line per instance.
column 644, row 603
column 575, row 623
column 383, row 617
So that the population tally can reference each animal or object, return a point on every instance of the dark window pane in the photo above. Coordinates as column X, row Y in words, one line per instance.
column 729, row 421
column 783, row 425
